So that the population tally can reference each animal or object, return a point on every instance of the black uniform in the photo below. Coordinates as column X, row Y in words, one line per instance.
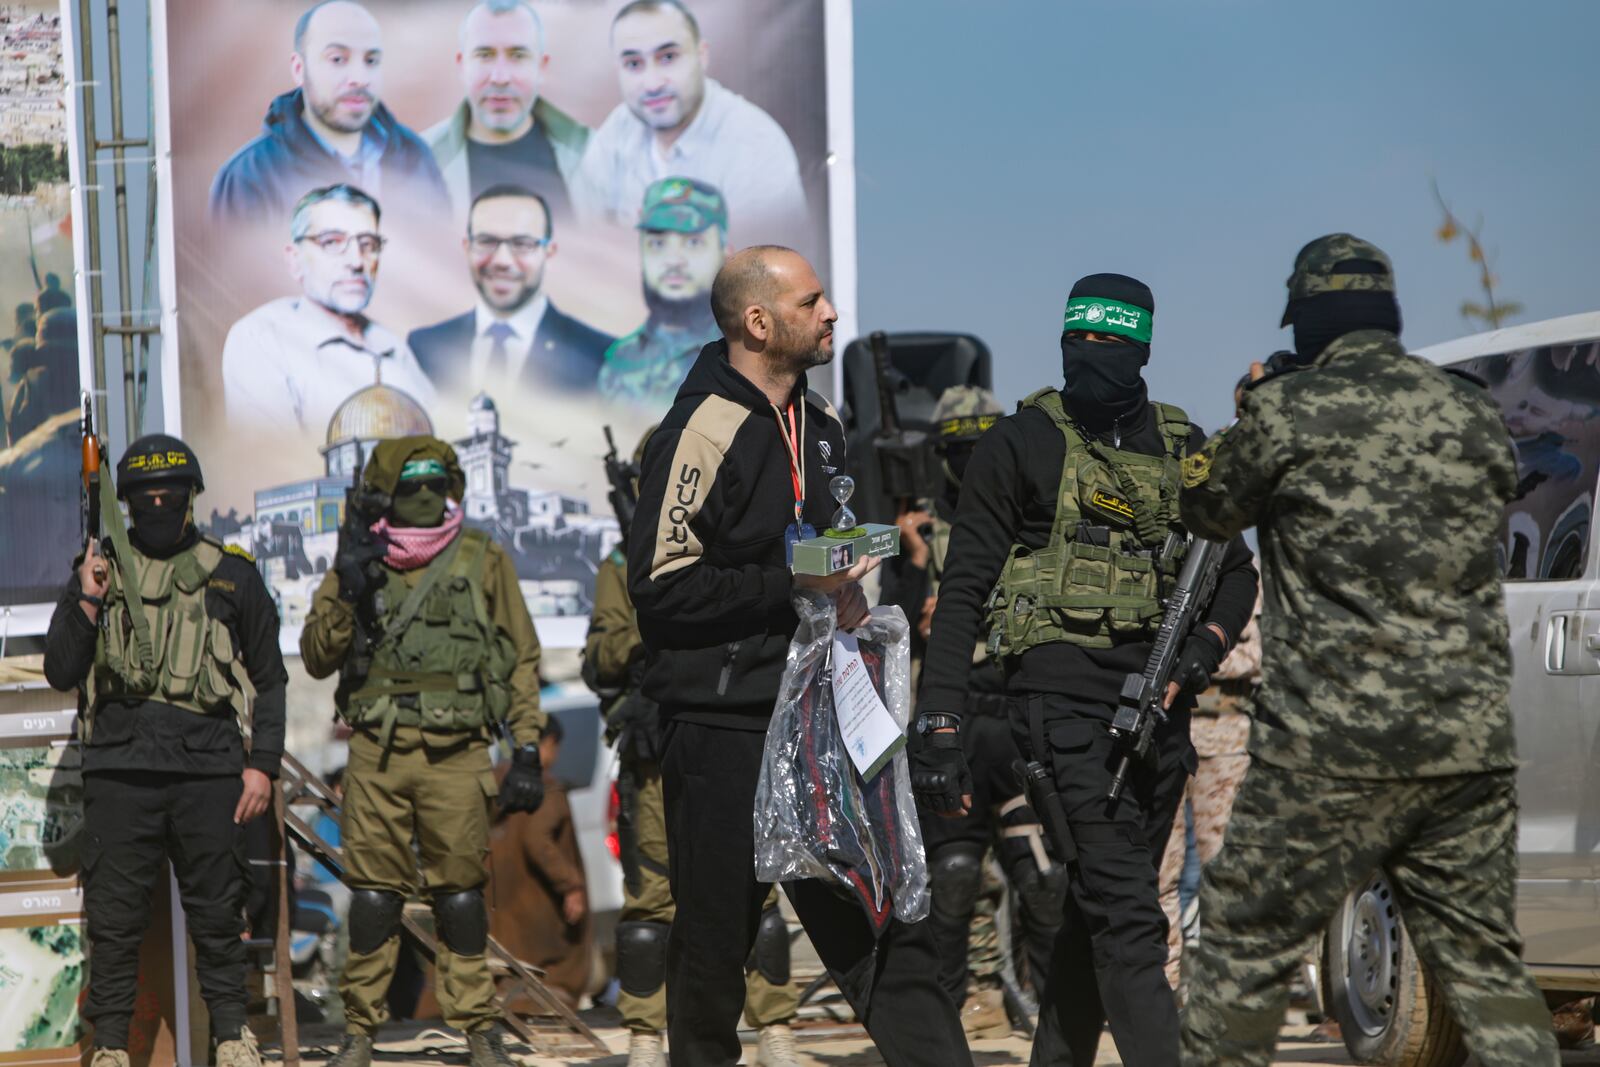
column 1110, row 952
column 707, row 573
column 162, row 783
column 956, row 845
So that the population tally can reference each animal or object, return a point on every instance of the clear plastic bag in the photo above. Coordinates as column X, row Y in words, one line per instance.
column 814, row 815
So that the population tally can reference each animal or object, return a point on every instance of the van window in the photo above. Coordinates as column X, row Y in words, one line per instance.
column 1550, row 397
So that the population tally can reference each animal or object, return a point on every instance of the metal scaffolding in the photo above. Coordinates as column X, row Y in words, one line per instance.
column 133, row 318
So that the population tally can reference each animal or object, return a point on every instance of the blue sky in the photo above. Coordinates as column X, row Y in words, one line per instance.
column 1004, row 148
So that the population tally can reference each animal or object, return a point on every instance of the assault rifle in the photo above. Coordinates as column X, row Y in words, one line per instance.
column 1139, row 708
column 361, row 510
column 623, row 474
column 89, row 492
column 906, row 461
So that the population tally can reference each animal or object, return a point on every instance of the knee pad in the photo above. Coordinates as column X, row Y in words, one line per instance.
column 955, row 876
column 463, row 921
column 1040, row 882
column 374, row 918
column 1041, row 894
column 641, row 957
column 770, row 957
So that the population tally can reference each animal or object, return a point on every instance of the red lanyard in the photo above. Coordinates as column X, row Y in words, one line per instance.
column 794, row 441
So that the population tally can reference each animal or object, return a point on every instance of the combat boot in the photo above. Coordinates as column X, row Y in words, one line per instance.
column 354, row 1051
column 776, row 1047
column 487, row 1048
column 239, row 1052
column 984, row 1015
column 109, row 1057
column 644, row 1049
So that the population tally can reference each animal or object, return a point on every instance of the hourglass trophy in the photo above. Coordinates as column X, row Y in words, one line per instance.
column 846, row 541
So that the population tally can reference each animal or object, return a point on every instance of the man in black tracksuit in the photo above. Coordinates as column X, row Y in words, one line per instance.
column 1065, row 668
column 165, row 771
column 745, row 453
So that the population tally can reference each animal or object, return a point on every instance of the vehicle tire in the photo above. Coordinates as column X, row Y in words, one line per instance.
column 1389, row 1010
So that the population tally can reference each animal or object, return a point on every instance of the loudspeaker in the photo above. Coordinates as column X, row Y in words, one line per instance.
column 921, row 367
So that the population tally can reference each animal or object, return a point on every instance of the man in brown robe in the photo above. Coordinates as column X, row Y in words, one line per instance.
column 538, row 896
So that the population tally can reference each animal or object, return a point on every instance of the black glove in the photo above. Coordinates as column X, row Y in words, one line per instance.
column 939, row 774
column 350, row 561
column 523, row 788
column 1198, row 661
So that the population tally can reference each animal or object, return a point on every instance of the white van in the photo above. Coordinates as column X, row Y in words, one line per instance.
column 1546, row 378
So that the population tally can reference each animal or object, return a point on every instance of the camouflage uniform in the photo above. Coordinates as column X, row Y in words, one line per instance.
column 648, row 365
column 1219, row 729
column 1382, row 732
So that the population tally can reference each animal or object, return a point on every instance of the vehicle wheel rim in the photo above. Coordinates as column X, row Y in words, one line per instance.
column 1372, row 955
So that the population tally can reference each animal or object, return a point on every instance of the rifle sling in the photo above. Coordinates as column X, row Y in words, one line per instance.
column 127, row 561
column 430, row 578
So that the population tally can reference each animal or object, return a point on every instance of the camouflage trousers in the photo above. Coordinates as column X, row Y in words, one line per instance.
column 765, row 1003
column 1298, row 843
column 985, row 962
column 1221, row 741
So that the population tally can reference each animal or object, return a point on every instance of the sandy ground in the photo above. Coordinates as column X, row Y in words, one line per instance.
column 820, row 1046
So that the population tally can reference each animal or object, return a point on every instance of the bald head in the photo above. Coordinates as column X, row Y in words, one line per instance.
column 771, row 307
column 746, row 280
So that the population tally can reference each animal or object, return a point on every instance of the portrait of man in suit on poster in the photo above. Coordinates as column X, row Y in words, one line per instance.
column 514, row 334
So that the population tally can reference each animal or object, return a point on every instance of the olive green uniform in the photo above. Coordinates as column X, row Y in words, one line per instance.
column 426, row 777
column 611, row 650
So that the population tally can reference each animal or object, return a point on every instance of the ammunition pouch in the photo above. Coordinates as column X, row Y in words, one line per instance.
column 191, row 661
column 1110, row 559
column 436, row 661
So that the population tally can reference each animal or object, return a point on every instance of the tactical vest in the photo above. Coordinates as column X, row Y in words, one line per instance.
column 1115, row 546
column 180, row 655
column 438, row 661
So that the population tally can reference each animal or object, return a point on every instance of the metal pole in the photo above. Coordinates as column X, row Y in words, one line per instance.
column 144, row 283
column 134, row 416
column 91, row 209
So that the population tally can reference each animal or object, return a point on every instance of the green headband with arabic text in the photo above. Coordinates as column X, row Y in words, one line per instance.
column 1101, row 315
column 422, row 468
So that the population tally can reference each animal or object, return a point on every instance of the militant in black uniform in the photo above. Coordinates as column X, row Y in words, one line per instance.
column 171, row 639
column 1066, row 539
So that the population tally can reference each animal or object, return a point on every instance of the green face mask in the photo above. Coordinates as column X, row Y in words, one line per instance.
column 421, row 494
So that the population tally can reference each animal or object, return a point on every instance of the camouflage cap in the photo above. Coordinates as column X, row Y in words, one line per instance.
column 391, row 455
column 964, row 411
column 683, row 205
column 1338, row 262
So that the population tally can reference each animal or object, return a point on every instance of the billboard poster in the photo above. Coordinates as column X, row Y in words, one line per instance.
column 38, row 316
column 495, row 222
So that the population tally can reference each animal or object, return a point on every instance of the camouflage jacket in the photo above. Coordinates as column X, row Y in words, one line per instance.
column 649, row 364
column 1376, row 482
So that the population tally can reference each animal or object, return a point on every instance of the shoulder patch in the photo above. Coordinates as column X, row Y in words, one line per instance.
column 1196, row 469
column 235, row 550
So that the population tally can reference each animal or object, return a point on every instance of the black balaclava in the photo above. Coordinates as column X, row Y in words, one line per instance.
column 1105, row 388
column 1322, row 319
column 161, row 529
